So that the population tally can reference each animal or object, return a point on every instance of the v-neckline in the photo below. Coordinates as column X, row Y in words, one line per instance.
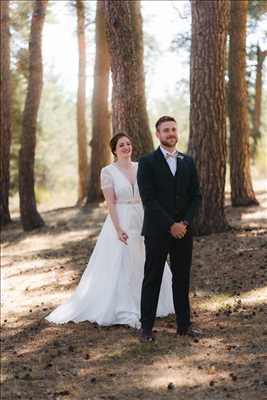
column 125, row 176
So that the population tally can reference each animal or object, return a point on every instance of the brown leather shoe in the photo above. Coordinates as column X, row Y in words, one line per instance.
column 146, row 336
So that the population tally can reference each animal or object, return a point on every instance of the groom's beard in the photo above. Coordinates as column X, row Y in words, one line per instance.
column 170, row 144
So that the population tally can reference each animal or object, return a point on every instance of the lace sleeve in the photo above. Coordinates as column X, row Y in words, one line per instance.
column 106, row 181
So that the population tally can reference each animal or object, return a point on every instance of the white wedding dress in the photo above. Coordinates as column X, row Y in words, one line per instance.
column 109, row 291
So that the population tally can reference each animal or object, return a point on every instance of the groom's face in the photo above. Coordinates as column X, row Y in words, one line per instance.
column 167, row 134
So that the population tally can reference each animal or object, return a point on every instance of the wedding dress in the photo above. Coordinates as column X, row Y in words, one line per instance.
column 109, row 291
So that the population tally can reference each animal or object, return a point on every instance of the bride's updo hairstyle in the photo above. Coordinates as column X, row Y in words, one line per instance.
column 114, row 141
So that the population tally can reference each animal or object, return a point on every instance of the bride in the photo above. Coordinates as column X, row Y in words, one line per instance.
column 109, row 291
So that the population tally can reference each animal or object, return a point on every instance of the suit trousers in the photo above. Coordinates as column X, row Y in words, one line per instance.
column 157, row 250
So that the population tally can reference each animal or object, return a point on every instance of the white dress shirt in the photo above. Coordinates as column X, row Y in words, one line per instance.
column 172, row 161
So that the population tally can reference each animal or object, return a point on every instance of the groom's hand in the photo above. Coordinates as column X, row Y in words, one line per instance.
column 178, row 230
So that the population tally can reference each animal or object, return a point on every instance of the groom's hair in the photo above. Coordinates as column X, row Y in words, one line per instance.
column 164, row 118
column 115, row 139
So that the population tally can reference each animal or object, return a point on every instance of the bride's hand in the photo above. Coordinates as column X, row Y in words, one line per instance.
column 122, row 236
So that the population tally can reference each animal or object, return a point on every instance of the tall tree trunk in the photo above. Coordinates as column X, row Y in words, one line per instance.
column 207, row 141
column 125, row 40
column 81, row 101
column 5, row 91
column 242, row 193
column 256, row 116
column 101, row 134
column 30, row 217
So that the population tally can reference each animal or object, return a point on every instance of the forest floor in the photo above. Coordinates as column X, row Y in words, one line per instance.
column 42, row 361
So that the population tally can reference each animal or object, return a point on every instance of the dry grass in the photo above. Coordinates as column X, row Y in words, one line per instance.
column 85, row 362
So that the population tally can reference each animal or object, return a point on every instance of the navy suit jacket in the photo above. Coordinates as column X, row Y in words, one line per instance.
column 166, row 198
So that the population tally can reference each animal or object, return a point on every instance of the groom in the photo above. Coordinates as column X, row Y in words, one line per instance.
column 170, row 194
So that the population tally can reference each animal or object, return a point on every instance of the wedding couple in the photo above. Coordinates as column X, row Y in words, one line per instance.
column 151, row 205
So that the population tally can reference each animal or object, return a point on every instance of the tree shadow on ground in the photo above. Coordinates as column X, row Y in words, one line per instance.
column 42, row 360
column 84, row 361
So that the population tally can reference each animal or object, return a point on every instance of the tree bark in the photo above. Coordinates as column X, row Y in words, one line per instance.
column 81, row 105
column 30, row 217
column 5, row 137
column 125, row 40
column 101, row 133
column 207, row 140
column 242, row 193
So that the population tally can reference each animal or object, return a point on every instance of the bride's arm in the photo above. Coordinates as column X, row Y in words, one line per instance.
column 111, row 204
column 109, row 195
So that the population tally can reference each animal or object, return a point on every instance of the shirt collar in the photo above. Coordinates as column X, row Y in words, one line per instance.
column 164, row 151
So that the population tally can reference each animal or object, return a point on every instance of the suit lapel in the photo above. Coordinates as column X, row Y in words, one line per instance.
column 163, row 162
column 179, row 171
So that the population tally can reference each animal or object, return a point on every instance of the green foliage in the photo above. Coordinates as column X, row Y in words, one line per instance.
column 16, row 104
column 257, row 8
column 256, row 39
column 56, row 150
column 20, row 20
column 260, row 160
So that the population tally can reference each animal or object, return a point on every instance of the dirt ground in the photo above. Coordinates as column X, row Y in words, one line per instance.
column 85, row 362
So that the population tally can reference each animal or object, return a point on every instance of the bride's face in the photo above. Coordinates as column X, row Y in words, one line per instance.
column 124, row 148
